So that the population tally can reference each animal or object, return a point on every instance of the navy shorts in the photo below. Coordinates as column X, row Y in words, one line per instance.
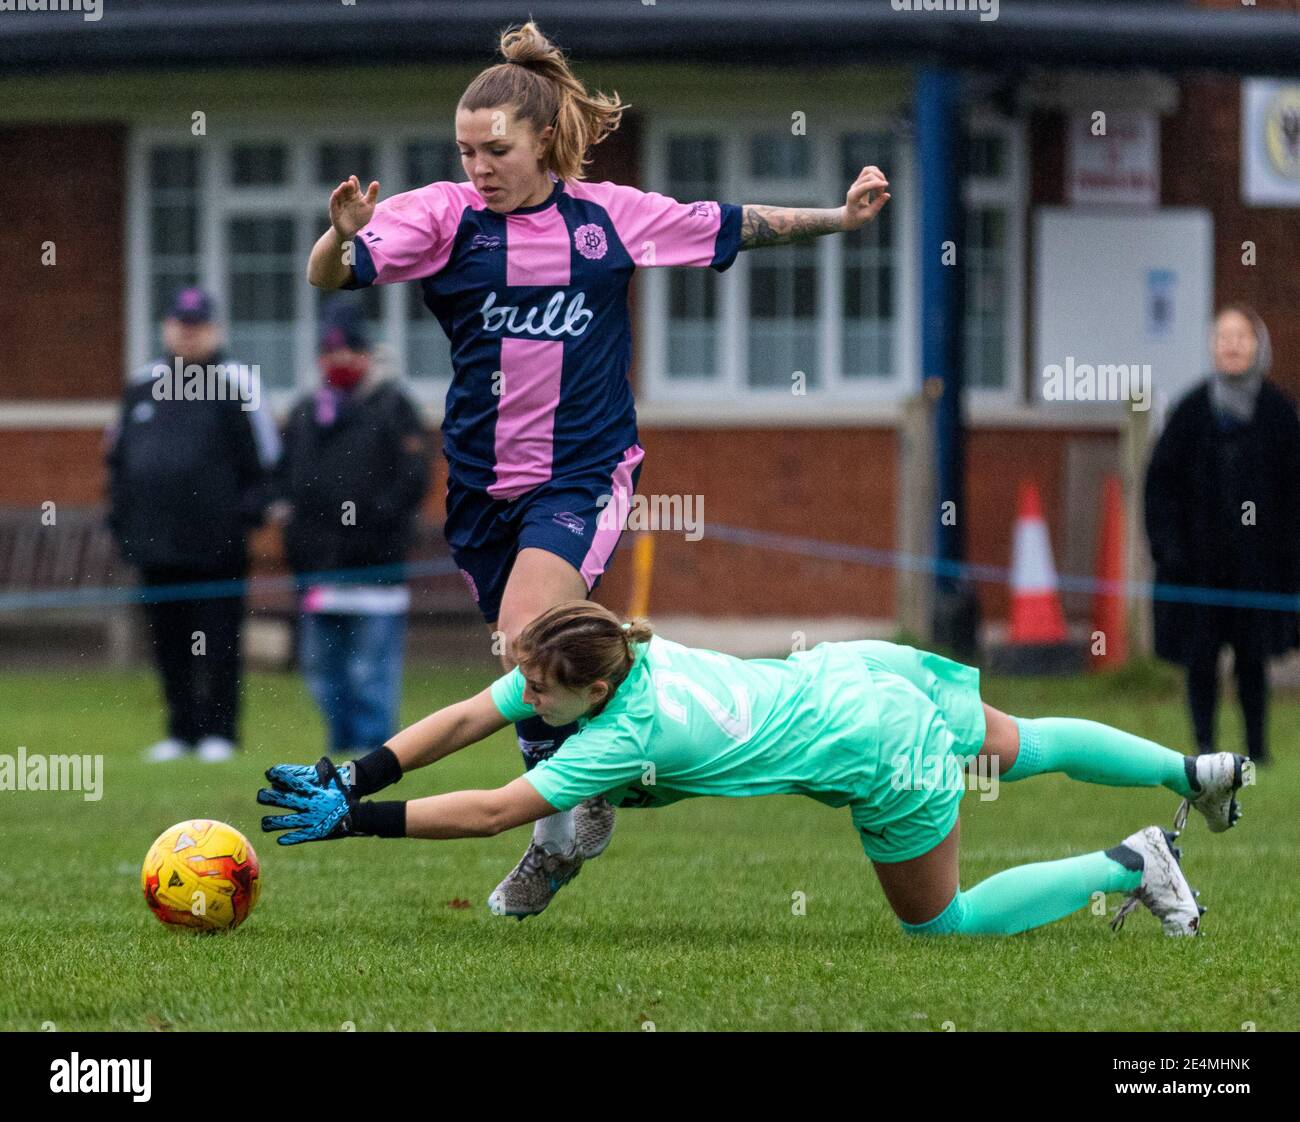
column 578, row 517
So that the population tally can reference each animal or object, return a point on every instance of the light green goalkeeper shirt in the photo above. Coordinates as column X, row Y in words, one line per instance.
column 688, row 722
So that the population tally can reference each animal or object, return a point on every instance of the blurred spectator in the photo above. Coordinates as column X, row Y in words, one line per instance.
column 188, row 475
column 1223, row 513
column 354, row 472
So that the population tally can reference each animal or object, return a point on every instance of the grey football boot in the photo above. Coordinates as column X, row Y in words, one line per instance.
column 593, row 825
column 533, row 883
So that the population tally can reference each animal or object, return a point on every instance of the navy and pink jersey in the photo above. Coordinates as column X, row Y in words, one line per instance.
column 535, row 305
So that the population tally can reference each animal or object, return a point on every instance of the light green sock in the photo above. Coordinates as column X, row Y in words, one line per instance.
column 1028, row 896
column 1097, row 753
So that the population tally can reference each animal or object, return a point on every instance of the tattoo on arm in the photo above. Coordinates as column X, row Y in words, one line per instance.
column 780, row 225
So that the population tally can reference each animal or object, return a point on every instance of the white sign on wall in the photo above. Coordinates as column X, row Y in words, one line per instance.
column 1121, row 292
column 1270, row 143
column 1120, row 165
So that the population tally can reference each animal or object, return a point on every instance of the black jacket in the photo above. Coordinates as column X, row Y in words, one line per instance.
column 185, row 483
column 1200, row 475
column 375, row 455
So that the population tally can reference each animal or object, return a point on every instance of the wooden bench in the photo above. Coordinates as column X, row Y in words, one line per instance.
column 69, row 576
column 64, row 575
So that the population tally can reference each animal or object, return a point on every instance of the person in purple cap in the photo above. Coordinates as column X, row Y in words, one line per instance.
column 354, row 472
column 188, row 469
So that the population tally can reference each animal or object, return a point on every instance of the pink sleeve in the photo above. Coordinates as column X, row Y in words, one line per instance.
column 659, row 231
column 409, row 236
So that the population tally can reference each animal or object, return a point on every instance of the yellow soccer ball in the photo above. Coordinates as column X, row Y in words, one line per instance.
column 201, row 874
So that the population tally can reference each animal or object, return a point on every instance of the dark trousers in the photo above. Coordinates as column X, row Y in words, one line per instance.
column 1224, row 626
column 195, row 638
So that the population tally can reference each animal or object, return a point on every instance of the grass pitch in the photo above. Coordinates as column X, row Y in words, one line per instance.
column 688, row 921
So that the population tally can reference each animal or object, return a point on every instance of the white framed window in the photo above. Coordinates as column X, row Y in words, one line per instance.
column 826, row 317
column 996, row 197
column 239, row 216
column 843, row 310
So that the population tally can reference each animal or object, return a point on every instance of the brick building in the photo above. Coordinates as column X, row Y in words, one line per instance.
column 98, row 139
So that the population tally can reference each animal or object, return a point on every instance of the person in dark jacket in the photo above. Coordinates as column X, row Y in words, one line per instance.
column 1223, row 515
column 354, row 472
column 188, row 475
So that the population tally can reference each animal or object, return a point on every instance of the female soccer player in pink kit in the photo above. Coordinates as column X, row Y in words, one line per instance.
column 527, row 265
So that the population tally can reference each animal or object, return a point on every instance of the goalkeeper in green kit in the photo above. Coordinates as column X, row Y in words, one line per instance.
column 883, row 729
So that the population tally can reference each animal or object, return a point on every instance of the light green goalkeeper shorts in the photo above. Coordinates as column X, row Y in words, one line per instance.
column 931, row 723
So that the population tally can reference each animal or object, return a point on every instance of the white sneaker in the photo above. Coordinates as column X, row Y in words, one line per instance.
column 215, row 750
column 1164, row 889
column 165, row 750
column 1220, row 775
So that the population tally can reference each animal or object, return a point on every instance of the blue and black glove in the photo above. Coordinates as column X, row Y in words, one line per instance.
column 322, row 797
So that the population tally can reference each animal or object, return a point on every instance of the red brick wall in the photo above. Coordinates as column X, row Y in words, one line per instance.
column 60, row 466
column 834, row 485
column 64, row 337
column 1201, row 149
column 1200, row 157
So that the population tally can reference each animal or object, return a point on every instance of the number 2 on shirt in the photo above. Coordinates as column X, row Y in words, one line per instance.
column 734, row 723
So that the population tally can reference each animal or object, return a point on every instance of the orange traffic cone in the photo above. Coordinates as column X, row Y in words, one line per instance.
column 1108, row 615
column 1036, row 616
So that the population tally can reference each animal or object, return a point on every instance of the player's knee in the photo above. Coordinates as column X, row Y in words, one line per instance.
column 1001, row 739
column 947, row 922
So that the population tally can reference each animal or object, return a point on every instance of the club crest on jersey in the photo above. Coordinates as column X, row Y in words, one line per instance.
column 573, row 318
column 485, row 241
column 589, row 240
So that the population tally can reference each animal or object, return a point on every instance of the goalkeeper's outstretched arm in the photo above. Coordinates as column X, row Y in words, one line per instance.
column 328, row 802
column 447, row 731
column 476, row 814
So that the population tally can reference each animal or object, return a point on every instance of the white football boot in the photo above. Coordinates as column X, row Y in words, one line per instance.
column 533, row 883
column 166, row 750
column 1164, row 889
column 593, row 826
column 215, row 750
column 1220, row 775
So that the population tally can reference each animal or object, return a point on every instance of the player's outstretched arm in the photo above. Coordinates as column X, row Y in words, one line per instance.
column 332, row 810
column 350, row 211
column 447, row 731
column 476, row 814
column 437, row 735
column 779, row 225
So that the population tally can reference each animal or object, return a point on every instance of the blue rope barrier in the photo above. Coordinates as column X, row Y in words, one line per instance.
column 737, row 535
